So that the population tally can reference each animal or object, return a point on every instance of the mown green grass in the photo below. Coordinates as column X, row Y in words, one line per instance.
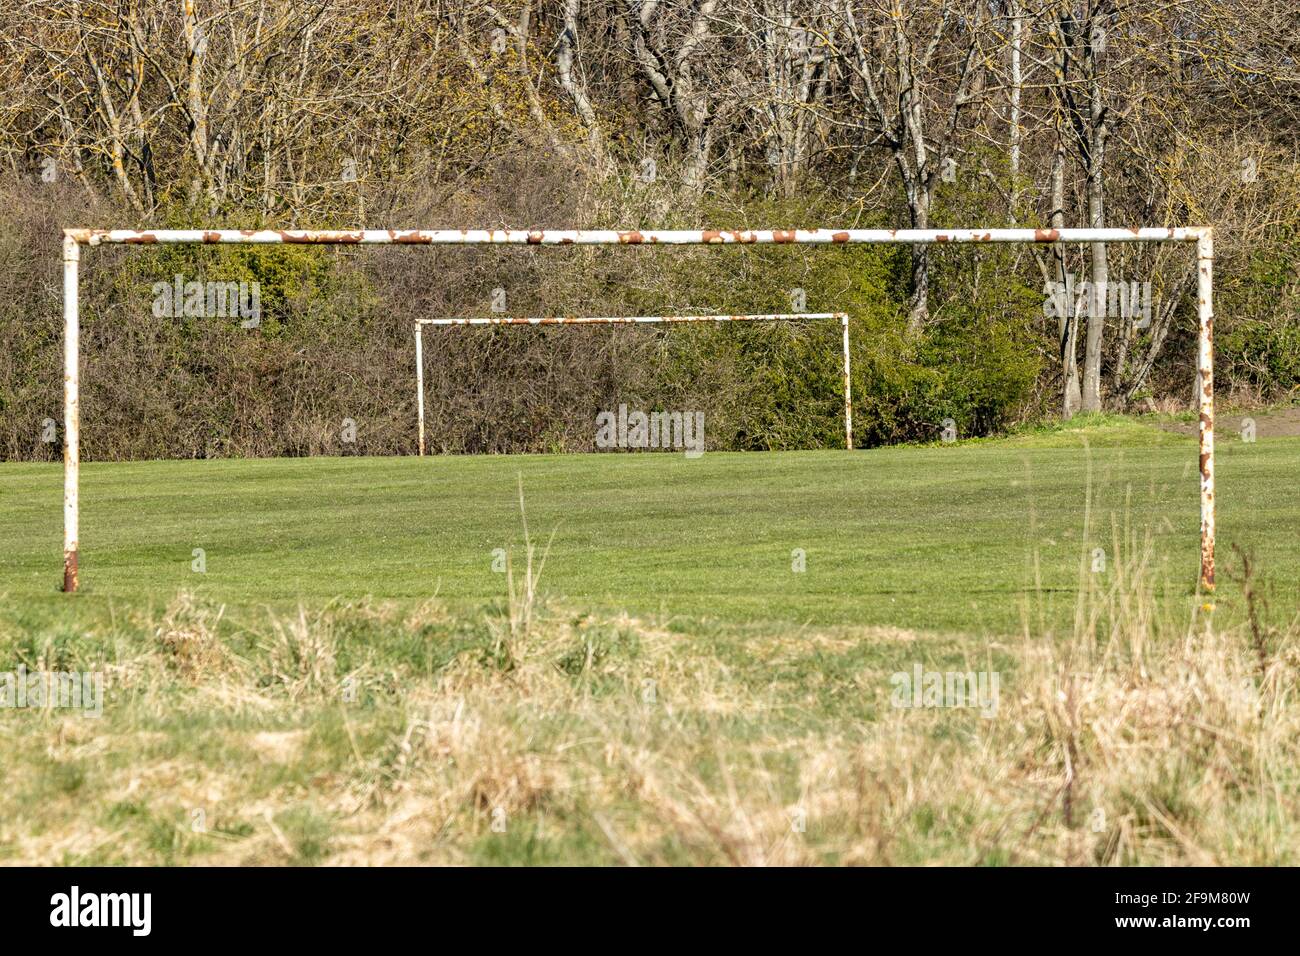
column 965, row 538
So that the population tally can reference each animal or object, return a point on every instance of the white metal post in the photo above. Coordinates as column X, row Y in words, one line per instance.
column 71, row 411
column 1205, row 370
column 419, row 380
column 848, row 389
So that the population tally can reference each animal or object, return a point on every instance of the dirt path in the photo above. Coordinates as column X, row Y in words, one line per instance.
column 1283, row 422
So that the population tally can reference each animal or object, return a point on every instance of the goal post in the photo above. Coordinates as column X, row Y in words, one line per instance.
column 635, row 320
column 75, row 239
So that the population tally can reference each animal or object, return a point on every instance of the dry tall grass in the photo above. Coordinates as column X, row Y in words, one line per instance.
column 1137, row 739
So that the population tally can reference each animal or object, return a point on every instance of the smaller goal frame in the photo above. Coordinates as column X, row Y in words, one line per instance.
column 634, row 320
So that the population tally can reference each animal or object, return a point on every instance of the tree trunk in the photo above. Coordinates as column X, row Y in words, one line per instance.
column 920, row 302
column 1096, row 305
column 1097, row 129
column 573, row 84
column 1067, row 319
column 1017, row 83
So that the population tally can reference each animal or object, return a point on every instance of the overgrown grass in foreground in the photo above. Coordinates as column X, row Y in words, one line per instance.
column 371, row 733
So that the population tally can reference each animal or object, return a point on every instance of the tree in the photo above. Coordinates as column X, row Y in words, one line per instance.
column 921, row 68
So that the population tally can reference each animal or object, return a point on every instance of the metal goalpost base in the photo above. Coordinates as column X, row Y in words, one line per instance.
column 74, row 239
column 634, row 320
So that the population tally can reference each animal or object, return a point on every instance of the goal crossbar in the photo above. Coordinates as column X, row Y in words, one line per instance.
column 620, row 237
column 75, row 239
column 633, row 320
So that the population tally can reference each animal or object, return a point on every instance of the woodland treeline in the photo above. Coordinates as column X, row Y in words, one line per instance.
column 637, row 114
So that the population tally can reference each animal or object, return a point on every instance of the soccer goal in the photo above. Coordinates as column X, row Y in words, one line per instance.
column 634, row 320
column 75, row 239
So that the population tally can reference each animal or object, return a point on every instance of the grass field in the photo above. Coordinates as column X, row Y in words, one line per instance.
column 349, row 680
column 943, row 538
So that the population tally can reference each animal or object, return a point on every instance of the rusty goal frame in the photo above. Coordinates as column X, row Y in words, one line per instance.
column 635, row 320
column 75, row 239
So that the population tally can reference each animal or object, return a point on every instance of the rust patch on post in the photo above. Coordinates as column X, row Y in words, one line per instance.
column 142, row 239
column 70, row 572
column 631, row 238
column 840, row 237
column 291, row 237
column 1046, row 235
